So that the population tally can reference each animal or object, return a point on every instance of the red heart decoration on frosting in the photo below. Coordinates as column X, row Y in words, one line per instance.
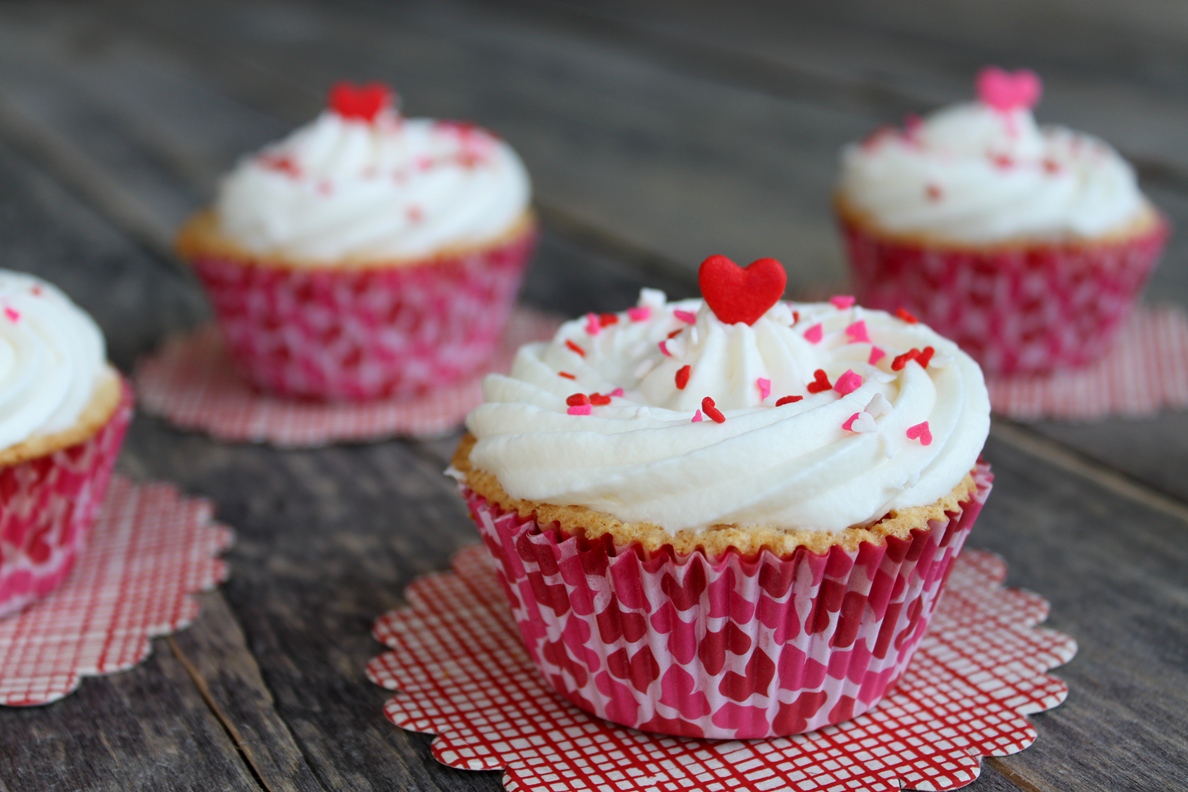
column 741, row 294
column 1005, row 91
column 360, row 102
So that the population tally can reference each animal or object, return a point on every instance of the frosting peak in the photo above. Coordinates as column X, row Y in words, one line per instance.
column 362, row 182
column 817, row 416
column 985, row 171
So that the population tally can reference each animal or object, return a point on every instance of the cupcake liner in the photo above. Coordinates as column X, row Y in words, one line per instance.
column 47, row 507
column 1015, row 310
column 365, row 333
column 728, row 648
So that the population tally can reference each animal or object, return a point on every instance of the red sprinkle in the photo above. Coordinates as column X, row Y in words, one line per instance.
column 575, row 348
column 598, row 400
column 608, row 319
column 416, row 214
column 934, row 192
column 361, row 102
column 1002, row 161
column 282, row 163
column 902, row 360
column 906, row 316
column 682, row 376
column 787, row 400
column 707, row 405
column 820, row 383
column 676, row 332
column 1052, row 167
column 795, row 317
column 566, row 374
column 925, row 357
column 577, row 400
column 36, row 290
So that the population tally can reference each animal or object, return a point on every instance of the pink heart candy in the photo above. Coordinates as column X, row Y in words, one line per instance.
column 1006, row 91
column 920, row 432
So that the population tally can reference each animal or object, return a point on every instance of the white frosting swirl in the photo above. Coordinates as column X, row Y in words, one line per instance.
column 971, row 173
column 641, row 458
column 398, row 188
column 52, row 356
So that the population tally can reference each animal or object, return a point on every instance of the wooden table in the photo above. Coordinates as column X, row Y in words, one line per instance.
column 655, row 135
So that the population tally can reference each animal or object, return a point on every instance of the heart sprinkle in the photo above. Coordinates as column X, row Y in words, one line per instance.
column 876, row 354
column 764, row 387
column 12, row 313
column 860, row 422
column 847, row 383
column 664, row 349
column 741, row 294
column 688, row 317
column 608, row 319
column 639, row 314
column 820, row 382
column 566, row 374
column 575, row 348
column 933, row 191
column 598, row 400
column 710, row 409
column 906, row 316
column 920, row 432
column 857, row 333
column 682, row 376
column 593, row 326
column 577, row 400
column 696, row 417
column 360, row 102
column 814, row 334
column 617, row 393
column 788, row 400
column 1006, row 91
column 580, row 409
column 842, row 301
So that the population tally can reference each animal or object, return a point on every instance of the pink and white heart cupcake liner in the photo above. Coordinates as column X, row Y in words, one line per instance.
column 1019, row 310
column 365, row 333
column 47, row 507
column 731, row 647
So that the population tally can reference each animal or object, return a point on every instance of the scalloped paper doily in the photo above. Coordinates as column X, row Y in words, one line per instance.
column 463, row 674
column 149, row 552
column 1144, row 371
column 191, row 383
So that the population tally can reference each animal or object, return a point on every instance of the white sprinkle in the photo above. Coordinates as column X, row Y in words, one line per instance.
column 878, row 406
column 652, row 298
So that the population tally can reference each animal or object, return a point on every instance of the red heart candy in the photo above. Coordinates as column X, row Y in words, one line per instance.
column 920, row 432
column 820, row 382
column 741, row 294
column 1005, row 91
column 360, row 102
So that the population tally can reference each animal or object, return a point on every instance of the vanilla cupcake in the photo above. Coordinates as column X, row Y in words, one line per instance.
column 63, row 413
column 1027, row 245
column 729, row 517
column 366, row 255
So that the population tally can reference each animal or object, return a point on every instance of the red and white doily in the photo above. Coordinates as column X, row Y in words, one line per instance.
column 1144, row 371
column 150, row 551
column 191, row 383
column 463, row 674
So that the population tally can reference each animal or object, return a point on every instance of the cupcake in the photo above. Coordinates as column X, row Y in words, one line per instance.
column 729, row 517
column 366, row 255
column 63, row 419
column 1026, row 245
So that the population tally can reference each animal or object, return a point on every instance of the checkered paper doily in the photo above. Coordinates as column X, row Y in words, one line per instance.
column 464, row 675
column 150, row 550
column 1144, row 371
column 191, row 383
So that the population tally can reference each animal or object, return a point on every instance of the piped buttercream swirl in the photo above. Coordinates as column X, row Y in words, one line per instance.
column 598, row 418
column 52, row 356
column 972, row 173
column 385, row 188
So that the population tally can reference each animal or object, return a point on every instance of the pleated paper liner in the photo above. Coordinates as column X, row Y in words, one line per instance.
column 150, row 551
column 463, row 674
column 191, row 383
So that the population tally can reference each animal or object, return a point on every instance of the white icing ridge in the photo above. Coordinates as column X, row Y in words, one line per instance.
column 641, row 458
column 399, row 188
column 52, row 356
column 975, row 174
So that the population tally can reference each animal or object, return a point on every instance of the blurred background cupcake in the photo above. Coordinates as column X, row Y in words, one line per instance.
column 1027, row 245
column 366, row 255
column 63, row 413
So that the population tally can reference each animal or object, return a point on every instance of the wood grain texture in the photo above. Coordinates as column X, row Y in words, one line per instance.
column 653, row 138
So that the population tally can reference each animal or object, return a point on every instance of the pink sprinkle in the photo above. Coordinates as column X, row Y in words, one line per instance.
column 639, row 314
column 847, row 383
column 686, row 316
column 934, row 192
column 580, row 409
column 764, row 387
column 876, row 355
column 920, row 432
column 12, row 313
column 593, row 326
column 617, row 392
column 849, row 424
column 842, row 301
column 697, row 417
column 36, row 290
column 857, row 333
column 416, row 214
column 664, row 348
column 912, row 124
column 814, row 334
